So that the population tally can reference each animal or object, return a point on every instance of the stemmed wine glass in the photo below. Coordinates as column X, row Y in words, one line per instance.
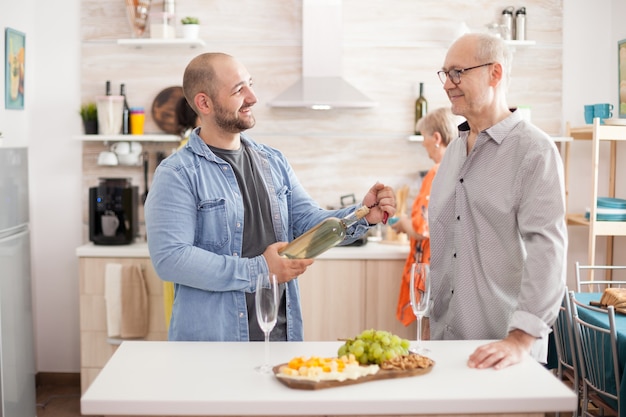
column 266, row 298
column 420, row 299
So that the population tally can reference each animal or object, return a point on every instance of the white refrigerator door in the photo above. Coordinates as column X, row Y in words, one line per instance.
column 17, row 356
column 13, row 188
column 17, row 351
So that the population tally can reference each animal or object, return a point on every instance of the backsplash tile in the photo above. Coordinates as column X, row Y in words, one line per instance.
column 388, row 48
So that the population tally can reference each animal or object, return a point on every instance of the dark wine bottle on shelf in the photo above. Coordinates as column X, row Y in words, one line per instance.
column 323, row 236
column 421, row 107
column 126, row 112
column 108, row 88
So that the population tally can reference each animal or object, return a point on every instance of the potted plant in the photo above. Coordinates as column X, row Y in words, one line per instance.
column 89, row 114
column 191, row 27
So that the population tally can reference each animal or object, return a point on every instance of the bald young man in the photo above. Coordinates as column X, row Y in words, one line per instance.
column 220, row 209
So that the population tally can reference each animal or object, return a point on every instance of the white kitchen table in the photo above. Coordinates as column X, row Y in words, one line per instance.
column 218, row 378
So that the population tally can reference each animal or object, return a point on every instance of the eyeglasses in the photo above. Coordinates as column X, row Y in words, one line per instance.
column 455, row 75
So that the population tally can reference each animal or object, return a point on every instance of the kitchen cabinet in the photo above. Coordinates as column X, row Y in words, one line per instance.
column 597, row 133
column 343, row 297
column 333, row 299
column 344, row 292
column 383, row 279
column 95, row 347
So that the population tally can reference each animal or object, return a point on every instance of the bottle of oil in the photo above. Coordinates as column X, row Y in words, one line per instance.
column 323, row 236
column 421, row 107
column 125, row 112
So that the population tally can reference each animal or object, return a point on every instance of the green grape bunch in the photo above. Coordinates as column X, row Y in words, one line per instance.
column 375, row 347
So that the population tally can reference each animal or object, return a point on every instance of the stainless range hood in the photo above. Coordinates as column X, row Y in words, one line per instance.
column 322, row 86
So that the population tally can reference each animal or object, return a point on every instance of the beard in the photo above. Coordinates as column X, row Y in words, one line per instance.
column 233, row 123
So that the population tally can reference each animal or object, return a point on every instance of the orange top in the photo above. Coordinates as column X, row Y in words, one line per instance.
column 420, row 249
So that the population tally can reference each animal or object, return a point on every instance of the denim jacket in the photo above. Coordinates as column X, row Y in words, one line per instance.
column 194, row 224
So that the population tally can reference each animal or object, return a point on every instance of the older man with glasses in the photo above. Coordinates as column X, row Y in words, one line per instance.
column 497, row 210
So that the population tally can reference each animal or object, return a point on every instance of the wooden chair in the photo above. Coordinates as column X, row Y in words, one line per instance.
column 607, row 280
column 596, row 348
column 564, row 338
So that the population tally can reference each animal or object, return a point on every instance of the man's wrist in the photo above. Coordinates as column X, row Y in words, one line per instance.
column 522, row 338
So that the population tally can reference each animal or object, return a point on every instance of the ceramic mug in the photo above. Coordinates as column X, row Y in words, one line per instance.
column 135, row 147
column 129, row 159
column 121, row 148
column 589, row 113
column 109, row 222
column 603, row 110
column 107, row 158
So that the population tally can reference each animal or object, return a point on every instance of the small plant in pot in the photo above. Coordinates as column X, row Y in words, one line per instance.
column 191, row 27
column 89, row 114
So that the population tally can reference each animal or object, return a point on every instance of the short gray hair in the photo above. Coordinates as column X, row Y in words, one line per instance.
column 490, row 48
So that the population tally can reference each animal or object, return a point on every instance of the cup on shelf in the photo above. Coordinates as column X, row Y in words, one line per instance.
column 107, row 158
column 603, row 110
column 135, row 147
column 129, row 158
column 137, row 120
column 121, row 148
column 128, row 153
column 589, row 113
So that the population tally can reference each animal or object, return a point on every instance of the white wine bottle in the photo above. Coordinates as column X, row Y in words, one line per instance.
column 421, row 107
column 323, row 236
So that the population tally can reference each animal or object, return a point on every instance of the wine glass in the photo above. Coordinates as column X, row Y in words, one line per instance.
column 266, row 298
column 420, row 299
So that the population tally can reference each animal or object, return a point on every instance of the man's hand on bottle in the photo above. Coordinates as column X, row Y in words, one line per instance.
column 284, row 268
column 381, row 200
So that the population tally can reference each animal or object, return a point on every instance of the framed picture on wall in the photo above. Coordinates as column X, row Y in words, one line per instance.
column 621, row 73
column 14, row 57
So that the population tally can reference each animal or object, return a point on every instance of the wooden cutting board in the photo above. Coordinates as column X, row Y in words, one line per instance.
column 380, row 375
column 164, row 109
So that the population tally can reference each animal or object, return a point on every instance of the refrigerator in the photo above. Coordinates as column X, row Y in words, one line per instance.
column 17, row 352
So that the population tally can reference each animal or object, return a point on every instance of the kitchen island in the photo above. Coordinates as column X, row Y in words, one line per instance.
column 346, row 290
column 219, row 379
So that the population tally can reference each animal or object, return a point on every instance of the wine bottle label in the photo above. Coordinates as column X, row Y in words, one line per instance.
column 325, row 235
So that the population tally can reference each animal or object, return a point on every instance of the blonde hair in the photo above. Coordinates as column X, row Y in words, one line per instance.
column 440, row 120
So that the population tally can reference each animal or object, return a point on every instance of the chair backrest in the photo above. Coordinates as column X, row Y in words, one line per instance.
column 598, row 356
column 566, row 343
column 609, row 276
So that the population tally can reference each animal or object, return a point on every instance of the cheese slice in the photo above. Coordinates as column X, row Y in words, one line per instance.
column 317, row 369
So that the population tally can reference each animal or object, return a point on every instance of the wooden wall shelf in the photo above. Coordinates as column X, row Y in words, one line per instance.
column 153, row 137
column 597, row 133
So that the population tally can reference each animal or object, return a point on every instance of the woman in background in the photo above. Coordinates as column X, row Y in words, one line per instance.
column 438, row 128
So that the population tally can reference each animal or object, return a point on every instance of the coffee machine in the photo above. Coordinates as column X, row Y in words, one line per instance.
column 113, row 208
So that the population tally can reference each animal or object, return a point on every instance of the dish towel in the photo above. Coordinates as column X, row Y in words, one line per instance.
column 112, row 298
column 126, row 297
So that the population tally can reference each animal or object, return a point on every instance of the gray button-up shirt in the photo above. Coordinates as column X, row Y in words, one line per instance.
column 498, row 235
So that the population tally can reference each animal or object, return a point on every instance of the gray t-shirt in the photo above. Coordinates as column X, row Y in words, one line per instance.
column 258, row 232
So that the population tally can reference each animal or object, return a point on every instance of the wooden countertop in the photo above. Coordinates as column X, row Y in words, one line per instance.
column 218, row 378
column 370, row 251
